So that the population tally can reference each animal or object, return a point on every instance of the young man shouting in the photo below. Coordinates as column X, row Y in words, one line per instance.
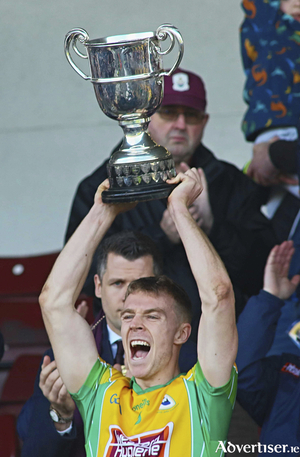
column 158, row 412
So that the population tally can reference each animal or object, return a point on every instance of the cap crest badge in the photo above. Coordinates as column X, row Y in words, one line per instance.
column 180, row 82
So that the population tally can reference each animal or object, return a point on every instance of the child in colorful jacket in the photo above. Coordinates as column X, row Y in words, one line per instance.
column 270, row 47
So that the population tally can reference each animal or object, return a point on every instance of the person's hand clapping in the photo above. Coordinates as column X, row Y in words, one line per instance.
column 276, row 280
column 54, row 389
column 201, row 209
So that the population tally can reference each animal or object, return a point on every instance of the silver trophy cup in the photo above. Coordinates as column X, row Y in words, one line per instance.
column 127, row 75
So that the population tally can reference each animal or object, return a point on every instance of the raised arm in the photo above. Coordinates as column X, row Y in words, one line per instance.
column 70, row 336
column 217, row 336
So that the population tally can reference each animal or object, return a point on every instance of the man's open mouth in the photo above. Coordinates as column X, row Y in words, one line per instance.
column 139, row 349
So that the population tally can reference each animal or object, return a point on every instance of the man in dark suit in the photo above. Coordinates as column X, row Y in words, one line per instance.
column 121, row 258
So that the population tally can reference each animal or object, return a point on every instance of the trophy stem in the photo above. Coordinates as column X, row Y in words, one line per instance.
column 136, row 139
column 139, row 169
column 137, row 145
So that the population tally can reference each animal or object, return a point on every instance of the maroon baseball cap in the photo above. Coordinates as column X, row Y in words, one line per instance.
column 184, row 88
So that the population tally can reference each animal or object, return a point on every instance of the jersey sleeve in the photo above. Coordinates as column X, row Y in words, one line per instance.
column 213, row 403
column 85, row 398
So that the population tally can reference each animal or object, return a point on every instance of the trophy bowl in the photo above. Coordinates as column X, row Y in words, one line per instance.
column 127, row 75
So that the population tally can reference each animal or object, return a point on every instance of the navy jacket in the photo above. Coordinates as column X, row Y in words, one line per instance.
column 268, row 387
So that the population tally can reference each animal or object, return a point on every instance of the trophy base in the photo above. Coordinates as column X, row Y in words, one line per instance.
column 139, row 169
column 157, row 192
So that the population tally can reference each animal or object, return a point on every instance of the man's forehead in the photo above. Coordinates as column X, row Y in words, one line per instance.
column 147, row 300
column 118, row 261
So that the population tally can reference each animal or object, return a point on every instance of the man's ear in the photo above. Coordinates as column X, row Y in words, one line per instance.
column 97, row 283
column 183, row 333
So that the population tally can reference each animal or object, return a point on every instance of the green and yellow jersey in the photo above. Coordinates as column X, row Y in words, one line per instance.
column 185, row 417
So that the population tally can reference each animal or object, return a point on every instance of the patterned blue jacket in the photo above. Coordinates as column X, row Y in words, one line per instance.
column 270, row 47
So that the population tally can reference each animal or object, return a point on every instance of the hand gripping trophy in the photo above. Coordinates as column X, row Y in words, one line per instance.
column 127, row 75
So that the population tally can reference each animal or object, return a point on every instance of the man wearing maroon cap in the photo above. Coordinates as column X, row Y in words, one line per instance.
column 180, row 121
column 179, row 125
column 228, row 209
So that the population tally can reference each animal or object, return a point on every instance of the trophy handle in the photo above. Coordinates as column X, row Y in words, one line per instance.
column 168, row 30
column 71, row 39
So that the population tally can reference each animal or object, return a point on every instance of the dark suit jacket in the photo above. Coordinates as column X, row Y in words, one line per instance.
column 35, row 426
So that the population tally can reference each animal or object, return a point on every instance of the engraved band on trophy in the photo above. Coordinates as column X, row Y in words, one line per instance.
column 127, row 75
